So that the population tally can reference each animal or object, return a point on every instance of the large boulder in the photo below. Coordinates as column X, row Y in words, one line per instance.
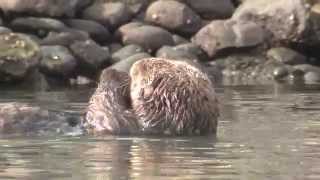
column 212, row 9
column 174, row 16
column 288, row 21
column 57, row 61
column 149, row 37
column 111, row 14
column 42, row 7
column 222, row 34
column 18, row 55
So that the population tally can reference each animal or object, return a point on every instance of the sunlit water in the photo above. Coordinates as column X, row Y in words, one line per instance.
column 265, row 132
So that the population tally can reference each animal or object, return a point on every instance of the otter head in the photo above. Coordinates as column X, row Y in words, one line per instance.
column 172, row 96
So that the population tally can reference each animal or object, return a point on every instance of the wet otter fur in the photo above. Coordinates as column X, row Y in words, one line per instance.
column 172, row 97
column 108, row 111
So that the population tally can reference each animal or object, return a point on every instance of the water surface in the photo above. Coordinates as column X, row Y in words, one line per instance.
column 265, row 132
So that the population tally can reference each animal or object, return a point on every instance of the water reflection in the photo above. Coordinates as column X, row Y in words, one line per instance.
column 265, row 132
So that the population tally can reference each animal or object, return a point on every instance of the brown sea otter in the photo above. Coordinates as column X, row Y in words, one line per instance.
column 165, row 97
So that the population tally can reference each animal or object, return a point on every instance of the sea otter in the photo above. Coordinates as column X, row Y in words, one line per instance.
column 158, row 96
column 172, row 97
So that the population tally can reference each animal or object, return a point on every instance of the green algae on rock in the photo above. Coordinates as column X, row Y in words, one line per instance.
column 18, row 54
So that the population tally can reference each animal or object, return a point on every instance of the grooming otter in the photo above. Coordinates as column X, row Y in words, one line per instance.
column 172, row 97
column 166, row 96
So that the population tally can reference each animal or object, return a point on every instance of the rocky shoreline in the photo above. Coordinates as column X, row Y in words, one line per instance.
column 69, row 43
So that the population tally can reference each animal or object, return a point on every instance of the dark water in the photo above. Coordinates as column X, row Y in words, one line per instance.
column 265, row 132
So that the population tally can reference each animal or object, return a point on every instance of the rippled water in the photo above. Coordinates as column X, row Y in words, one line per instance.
column 265, row 132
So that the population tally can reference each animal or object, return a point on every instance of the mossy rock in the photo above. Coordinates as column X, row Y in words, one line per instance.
column 18, row 55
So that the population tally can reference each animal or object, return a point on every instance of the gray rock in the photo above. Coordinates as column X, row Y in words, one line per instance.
column 285, row 20
column 42, row 7
column 64, row 38
column 172, row 53
column 90, row 54
column 96, row 31
column 174, row 16
column 126, row 52
column 36, row 25
column 286, row 56
column 124, row 29
column 221, row 34
column 210, row 9
column 280, row 73
column 114, row 47
column 19, row 55
column 149, row 37
column 179, row 39
column 312, row 77
column 57, row 61
column 25, row 119
column 4, row 30
column 125, row 65
column 111, row 14
column 193, row 49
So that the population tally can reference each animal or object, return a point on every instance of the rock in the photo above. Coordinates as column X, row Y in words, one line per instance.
column 90, row 54
column 193, row 49
column 56, row 8
column 64, row 38
column 280, row 73
column 114, row 47
column 221, row 34
column 174, row 16
column 26, row 119
column 125, row 65
column 126, row 52
column 124, row 29
column 4, row 30
column 18, row 56
column 149, row 37
column 37, row 25
column 179, row 39
column 285, row 20
column 286, row 56
column 312, row 77
column 111, row 14
column 172, row 53
column 96, row 31
column 57, row 61
column 210, row 9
